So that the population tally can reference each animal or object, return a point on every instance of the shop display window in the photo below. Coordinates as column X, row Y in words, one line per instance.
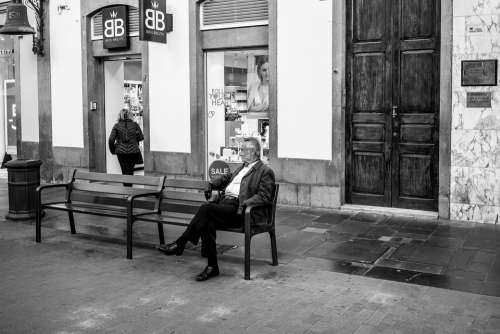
column 237, row 102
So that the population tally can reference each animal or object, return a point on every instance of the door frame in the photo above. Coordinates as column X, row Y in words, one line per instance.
column 339, row 37
column 97, row 118
column 93, row 56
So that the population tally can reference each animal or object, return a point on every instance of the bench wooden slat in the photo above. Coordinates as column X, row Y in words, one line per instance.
column 111, row 211
column 118, row 178
column 176, row 219
column 109, row 189
column 183, row 196
column 186, row 184
column 180, row 206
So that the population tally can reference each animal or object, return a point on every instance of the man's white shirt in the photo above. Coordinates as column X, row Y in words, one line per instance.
column 233, row 189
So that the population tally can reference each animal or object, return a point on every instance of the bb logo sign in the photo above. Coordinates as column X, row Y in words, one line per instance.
column 154, row 21
column 114, row 27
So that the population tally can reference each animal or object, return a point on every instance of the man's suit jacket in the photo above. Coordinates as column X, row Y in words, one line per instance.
column 256, row 187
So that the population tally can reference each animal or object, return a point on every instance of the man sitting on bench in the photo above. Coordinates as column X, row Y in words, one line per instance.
column 250, row 184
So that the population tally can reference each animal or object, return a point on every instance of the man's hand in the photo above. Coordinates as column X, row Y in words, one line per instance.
column 208, row 191
column 241, row 210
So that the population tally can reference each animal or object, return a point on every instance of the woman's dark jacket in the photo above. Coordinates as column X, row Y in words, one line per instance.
column 256, row 187
column 125, row 137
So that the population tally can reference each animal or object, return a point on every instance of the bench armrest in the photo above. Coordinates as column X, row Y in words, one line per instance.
column 132, row 198
column 55, row 185
column 248, row 214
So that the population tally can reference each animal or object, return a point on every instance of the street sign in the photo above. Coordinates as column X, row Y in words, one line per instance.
column 115, row 27
column 154, row 21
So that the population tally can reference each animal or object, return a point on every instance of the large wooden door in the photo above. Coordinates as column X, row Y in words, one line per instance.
column 392, row 103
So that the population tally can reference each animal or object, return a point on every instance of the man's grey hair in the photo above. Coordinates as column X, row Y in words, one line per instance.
column 256, row 144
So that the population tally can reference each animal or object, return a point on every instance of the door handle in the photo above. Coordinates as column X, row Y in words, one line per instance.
column 395, row 111
column 395, row 123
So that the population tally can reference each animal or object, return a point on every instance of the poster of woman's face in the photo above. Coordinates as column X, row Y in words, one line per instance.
column 258, row 91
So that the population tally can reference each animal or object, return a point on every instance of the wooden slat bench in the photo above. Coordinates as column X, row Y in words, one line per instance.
column 102, row 194
column 181, row 199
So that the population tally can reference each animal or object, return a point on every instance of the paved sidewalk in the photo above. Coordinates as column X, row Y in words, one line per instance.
column 325, row 281
column 77, row 284
column 461, row 256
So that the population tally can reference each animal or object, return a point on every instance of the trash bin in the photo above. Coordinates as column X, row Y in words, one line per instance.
column 23, row 179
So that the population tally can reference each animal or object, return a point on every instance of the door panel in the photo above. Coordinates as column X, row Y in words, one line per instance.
column 368, row 82
column 417, row 81
column 368, row 90
column 369, row 173
column 416, row 70
column 418, row 18
column 417, row 170
column 392, row 103
column 369, row 17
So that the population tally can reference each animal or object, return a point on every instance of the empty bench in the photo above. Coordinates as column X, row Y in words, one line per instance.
column 181, row 199
column 102, row 194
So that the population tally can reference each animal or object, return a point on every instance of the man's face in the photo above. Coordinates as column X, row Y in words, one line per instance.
column 247, row 152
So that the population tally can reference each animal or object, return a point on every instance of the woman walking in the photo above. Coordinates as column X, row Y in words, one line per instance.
column 124, row 142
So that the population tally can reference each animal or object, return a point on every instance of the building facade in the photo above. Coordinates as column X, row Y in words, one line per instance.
column 357, row 103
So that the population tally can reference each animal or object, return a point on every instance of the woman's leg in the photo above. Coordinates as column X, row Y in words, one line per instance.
column 127, row 163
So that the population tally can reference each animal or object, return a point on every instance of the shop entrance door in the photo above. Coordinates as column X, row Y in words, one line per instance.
column 392, row 103
column 122, row 88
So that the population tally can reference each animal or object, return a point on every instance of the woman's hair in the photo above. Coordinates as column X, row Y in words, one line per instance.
column 260, row 60
column 123, row 114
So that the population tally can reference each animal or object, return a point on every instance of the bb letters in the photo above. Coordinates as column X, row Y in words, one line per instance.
column 154, row 21
column 115, row 27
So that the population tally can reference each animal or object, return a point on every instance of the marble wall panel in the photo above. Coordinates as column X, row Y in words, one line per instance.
column 474, row 148
column 473, row 185
column 476, row 118
column 475, row 7
column 474, row 212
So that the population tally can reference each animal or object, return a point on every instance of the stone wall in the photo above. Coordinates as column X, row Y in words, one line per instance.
column 475, row 137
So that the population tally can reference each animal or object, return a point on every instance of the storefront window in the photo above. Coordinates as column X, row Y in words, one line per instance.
column 237, row 102
column 8, row 128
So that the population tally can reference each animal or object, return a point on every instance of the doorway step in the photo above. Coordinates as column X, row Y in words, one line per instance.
column 391, row 211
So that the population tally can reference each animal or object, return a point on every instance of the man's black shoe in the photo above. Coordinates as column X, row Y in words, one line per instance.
column 171, row 249
column 207, row 273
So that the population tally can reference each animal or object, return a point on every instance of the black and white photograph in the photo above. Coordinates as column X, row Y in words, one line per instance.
column 249, row 166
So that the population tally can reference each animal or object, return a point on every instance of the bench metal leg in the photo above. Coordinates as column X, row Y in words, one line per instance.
column 129, row 238
column 72, row 222
column 160, row 234
column 38, row 224
column 274, row 250
column 248, row 239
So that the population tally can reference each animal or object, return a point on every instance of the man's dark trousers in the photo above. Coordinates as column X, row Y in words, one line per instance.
column 207, row 220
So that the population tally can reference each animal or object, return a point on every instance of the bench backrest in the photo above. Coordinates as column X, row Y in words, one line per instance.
column 181, row 195
column 176, row 198
column 105, row 188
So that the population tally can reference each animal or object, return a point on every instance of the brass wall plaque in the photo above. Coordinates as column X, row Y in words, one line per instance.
column 479, row 72
column 478, row 100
